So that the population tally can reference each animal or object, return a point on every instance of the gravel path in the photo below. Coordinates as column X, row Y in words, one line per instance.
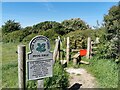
column 81, row 78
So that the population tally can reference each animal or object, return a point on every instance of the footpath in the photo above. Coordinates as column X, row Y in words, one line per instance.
column 80, row 78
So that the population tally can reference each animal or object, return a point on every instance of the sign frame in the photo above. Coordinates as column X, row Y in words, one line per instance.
column 39, row 47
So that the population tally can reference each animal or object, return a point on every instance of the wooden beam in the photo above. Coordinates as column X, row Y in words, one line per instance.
column 84, row 62
column 75, row 50
column 76, row 55
column 63, row 61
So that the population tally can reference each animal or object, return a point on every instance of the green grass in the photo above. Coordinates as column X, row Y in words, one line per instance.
column 9, row 75
column 9, row 52
column 9, row 65
column 105, row 72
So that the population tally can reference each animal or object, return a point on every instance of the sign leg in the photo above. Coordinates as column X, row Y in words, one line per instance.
column 40, row 84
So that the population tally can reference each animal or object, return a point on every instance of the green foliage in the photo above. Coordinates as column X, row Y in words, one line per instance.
column 60, row 29
column 112, row 24
column 59, row 79
column 45, row 25
column 75, row 24
column 16, row 36
column 51, row 34
column 28, row 29
column 29, row 37
column 51, row 29
column 102, row 51
column 106, row 51
column 10, row 26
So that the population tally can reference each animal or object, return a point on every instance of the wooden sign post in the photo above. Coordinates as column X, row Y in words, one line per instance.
column 22, row 66
column 40, row 60
column 40, row 84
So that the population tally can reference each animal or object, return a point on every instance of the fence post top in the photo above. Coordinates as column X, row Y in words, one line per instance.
column 21, row 45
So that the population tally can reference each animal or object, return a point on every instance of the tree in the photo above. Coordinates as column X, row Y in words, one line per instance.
column 10, row 26
column 112, row 25
column 75, row 24
column 45, row 25
column 59, row 29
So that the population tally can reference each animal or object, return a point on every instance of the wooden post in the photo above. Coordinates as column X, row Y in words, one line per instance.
column 40, row 84
column 91, row 48
column 88, row 48
column 22, row 66
column 64, row 39
column 75, row 58
column 68, row 49
column 97, row 40
column 55, row 50
column 58, row 53
column 74, row 61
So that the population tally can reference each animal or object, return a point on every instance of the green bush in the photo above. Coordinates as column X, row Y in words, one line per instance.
column 75, row 24
column 29, row 37
column 16, row 36
column 51, row 34
column 59, row 79
column 10, row 26
column 112, row 25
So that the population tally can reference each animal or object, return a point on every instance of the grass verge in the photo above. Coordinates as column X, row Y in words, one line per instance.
column 105, row 72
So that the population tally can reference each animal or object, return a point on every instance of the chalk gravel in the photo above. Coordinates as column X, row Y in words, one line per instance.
column 81, row 76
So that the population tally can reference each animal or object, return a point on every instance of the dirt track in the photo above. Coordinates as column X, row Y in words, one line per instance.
column 80, row 78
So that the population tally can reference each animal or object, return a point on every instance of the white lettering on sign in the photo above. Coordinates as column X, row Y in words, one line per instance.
column 40, row 59
column 39, row 69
